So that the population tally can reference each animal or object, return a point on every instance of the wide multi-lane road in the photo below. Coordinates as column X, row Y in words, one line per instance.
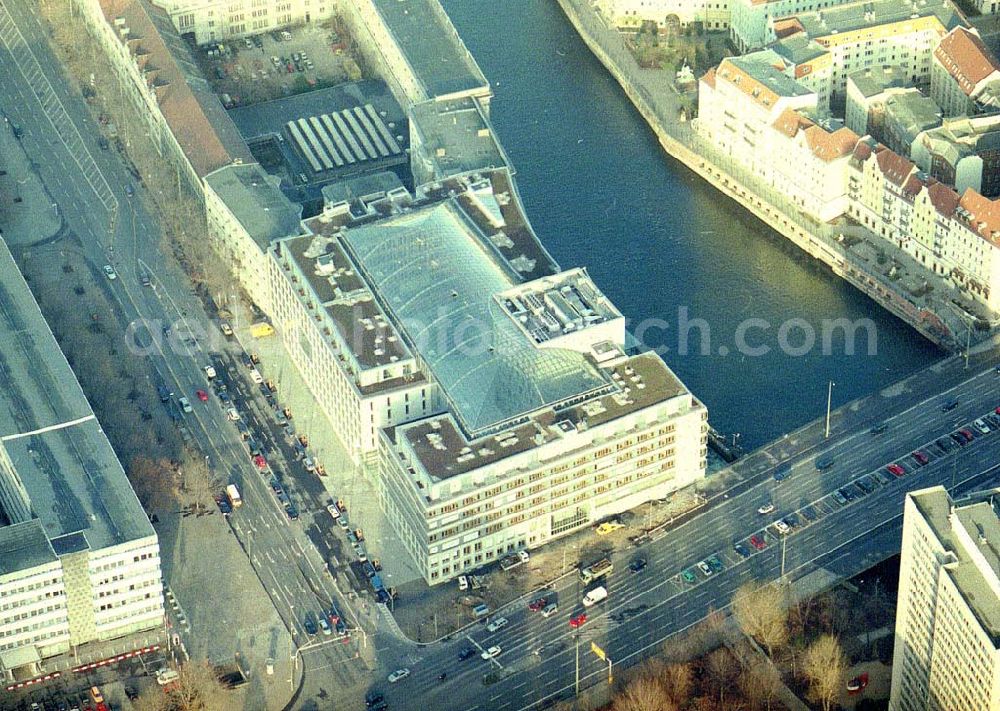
column 848, row 517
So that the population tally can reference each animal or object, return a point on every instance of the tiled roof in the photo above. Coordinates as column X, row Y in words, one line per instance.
column 863, row 150
column 828, row 146
column 195, row 116
column 709, row 77
column 787, row 27
column 942, row 197
column 790, row 122
column 894, row 167
column 985, row 215
column 965, row 57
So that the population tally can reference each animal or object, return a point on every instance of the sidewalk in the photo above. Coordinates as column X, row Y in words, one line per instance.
column 32, row 220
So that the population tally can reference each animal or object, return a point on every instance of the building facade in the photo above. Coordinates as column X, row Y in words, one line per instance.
column 630, row 15
column 964, row 153
column 867, row 92
column 965, row 76
column 222, row 20
column 947, row 643
column 79, row 560
column 751, row 24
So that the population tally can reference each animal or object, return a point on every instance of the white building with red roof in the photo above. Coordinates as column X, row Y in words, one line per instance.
column 965, row 75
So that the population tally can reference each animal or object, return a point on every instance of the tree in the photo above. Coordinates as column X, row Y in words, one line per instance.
column 197, row 688
column 153, row 481
column 760, row 612
column 678, row 680
column 823, row 666
column 722, row 668
column 644, row 693
column 760, row 683
column 199, row 481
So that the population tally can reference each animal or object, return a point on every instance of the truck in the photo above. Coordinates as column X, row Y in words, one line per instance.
column 596, row 570
column 233, row 494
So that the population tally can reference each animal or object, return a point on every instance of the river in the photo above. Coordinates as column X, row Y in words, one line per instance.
column 673, row 255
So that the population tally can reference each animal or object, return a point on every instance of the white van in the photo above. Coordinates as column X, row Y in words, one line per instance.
column 595, row 596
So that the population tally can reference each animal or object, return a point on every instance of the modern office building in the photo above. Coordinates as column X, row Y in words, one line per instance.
column 947, row 645
column 450, row 138
column 630, row 15
column 416, row 50
column 490, row 393
column 79, row 560
column 965, row 75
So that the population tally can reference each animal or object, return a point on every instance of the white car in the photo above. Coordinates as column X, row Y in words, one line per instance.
column 256, row 377
column 704, row 568
column 110, row 272
column 982, row 426
column 209, row 371
column 398, row 675
column 185, row 404
column 233, row 414
column 550, row 609
column 765, row 509
column 334, row 511
column 496, row 624
column 781, row 527
column 492, row 652
column 463, row 582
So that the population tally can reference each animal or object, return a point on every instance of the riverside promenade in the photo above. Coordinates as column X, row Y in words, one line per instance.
column 930, row 304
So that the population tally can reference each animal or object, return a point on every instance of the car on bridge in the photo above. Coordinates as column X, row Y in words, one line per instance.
column 496, row 624
column 578, row 621
column 550, row 609
column 782, row 471
column 824, row 462
column 491, row 653
column 466, row 653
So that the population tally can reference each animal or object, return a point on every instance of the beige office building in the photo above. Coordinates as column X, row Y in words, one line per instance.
column 947, row 653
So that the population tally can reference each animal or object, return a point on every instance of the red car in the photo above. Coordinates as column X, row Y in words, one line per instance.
column 578, row 621
column 967, row 434
column 920, row 457
column 202, row 395
column 857, row 684
column 260, row 461
column 757, row 542
column 536, row 605
column 896, row 470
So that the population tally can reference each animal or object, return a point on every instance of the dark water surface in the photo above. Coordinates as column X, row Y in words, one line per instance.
column 601, row 194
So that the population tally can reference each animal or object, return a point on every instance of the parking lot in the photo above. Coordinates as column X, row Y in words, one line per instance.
column 277, row 64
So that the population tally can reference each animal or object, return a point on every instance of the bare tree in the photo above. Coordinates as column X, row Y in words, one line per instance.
column 760, row 612
column 199, row 481
column 153, row 481
column 760, row 683
column 823, row 666
column 197, row 688
column 643, row 693
column 677, row 680
column 722, row 668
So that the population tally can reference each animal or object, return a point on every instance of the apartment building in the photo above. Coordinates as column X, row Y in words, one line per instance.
column 245, row 212
column 867, row 93
column 220, row 20
column 416, row 50
column 905, row 115
column 158, row 76
column 965, row 75
column 962, row 152
column 947, row 643
column 957, row 236
column 875, row 33
column 630, row 15
column 809, row 64
column 79, row 560
column 751, row 23
column 741, row 99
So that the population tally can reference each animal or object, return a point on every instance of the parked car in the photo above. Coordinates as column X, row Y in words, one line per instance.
column 895, row 469
column 704, row 568
column 537, row 604
column 715, row 563
column 781, row 527
column 765, row 509
column 757, row 542
column 688, row 576
column 310, row 624
column 981, row 426
column 920, row 457
column 325, row 626
column 741, row 550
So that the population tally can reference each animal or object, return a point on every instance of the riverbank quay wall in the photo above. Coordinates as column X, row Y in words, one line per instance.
column 684, row 145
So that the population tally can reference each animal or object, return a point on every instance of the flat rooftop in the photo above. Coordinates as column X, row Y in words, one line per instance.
column 444, row 451
column 875, row 80
column 842, row 19
column 73, row 480
column 346, row 298
column 456, row 136
column 979, row 516
column 256, row 201
column 435, row 273
column 432, row 47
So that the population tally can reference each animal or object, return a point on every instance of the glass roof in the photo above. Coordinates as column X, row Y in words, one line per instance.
column 436, row 280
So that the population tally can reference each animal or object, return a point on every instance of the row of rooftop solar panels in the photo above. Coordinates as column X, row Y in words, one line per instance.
column 348, row 136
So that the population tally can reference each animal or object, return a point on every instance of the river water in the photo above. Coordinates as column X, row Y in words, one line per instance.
column 672, row 254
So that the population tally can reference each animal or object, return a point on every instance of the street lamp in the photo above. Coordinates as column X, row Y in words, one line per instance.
column 829, row 402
